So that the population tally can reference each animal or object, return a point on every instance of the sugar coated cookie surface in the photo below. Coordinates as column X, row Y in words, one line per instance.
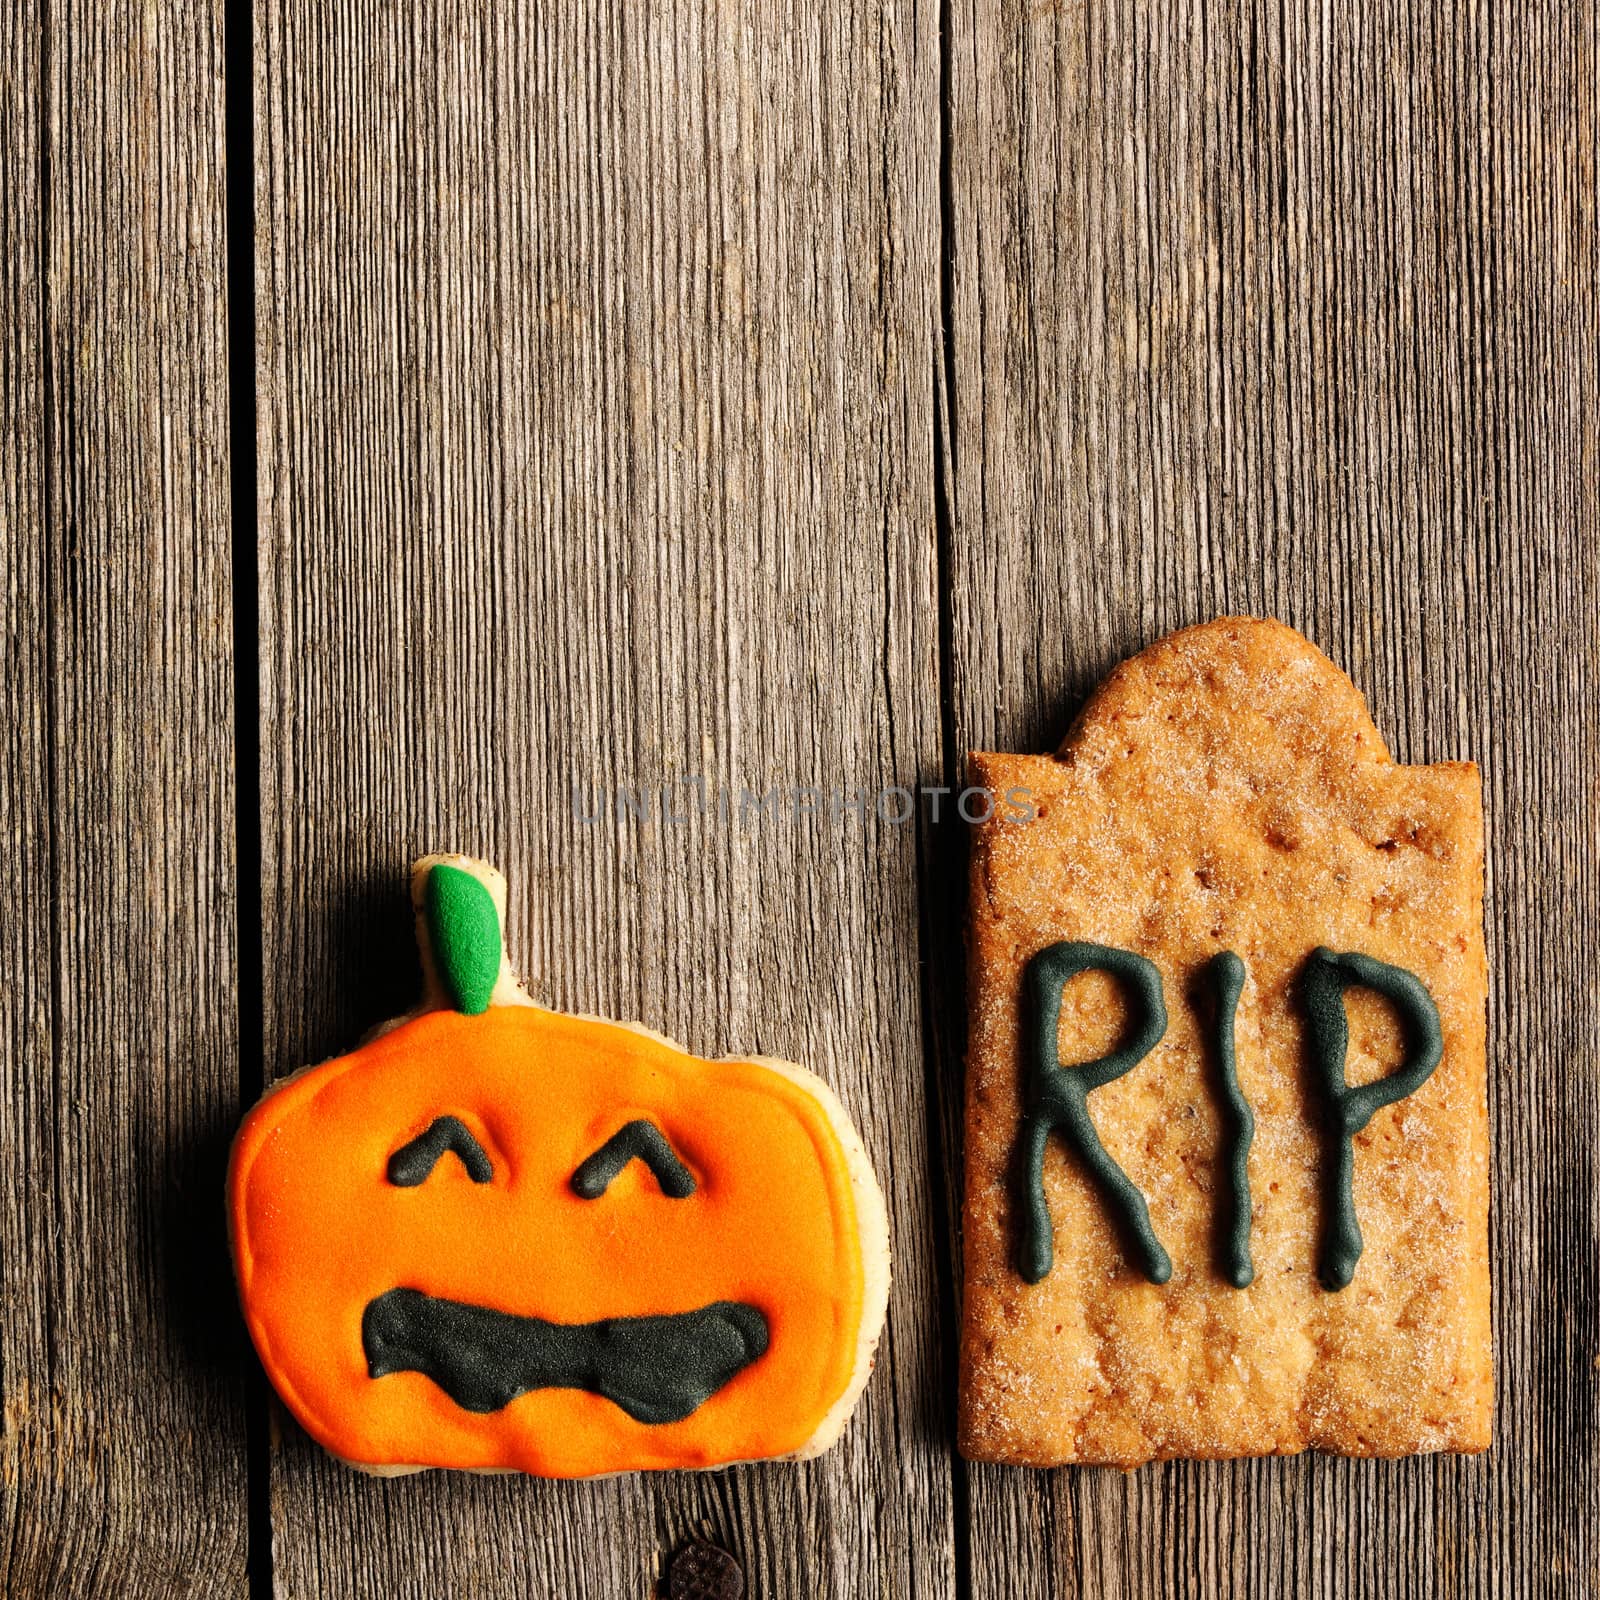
column 499, row 1237
column 1226, row 1130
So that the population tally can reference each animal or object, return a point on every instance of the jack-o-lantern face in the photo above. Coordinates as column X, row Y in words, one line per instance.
column 519, row 1239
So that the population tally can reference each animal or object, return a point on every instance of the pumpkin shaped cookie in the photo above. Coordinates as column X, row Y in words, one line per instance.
column 503, row 1238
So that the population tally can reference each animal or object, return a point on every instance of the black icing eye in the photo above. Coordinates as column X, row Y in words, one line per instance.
column 638, row 1141
column 411, row 1163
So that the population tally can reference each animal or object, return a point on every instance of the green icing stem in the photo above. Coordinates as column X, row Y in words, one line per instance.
column 1327, row 976
column 464, row 930
column 1059, row 1098
column 1226, row 972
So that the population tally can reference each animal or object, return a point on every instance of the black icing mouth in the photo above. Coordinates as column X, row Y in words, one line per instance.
column 657, row 1369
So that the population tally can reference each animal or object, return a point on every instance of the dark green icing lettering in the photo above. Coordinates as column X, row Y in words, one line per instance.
column 657, row 1369
column 1058, row 1097
column 411, row 1164
column 1225, row 971
column 464, row 931
column 637, row 1141
column 1327, row 976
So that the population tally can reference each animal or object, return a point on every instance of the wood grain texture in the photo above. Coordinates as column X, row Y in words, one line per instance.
column 596, row 350
column 1292, row 309
column 122, row 1456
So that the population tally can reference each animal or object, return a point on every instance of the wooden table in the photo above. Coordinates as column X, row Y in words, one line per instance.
column 536, row 395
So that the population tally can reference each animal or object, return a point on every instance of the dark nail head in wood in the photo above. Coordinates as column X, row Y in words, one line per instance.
column 701, row 1571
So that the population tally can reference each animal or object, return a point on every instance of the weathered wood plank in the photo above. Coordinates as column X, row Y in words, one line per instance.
column 122, row 1453
column 596, row 352
column 1293, row 309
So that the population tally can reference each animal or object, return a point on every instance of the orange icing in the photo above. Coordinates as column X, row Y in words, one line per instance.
column 318, row 1232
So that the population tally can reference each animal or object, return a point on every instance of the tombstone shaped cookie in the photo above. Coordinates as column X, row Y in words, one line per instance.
column 499, row 1237
column 1226, row 1131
